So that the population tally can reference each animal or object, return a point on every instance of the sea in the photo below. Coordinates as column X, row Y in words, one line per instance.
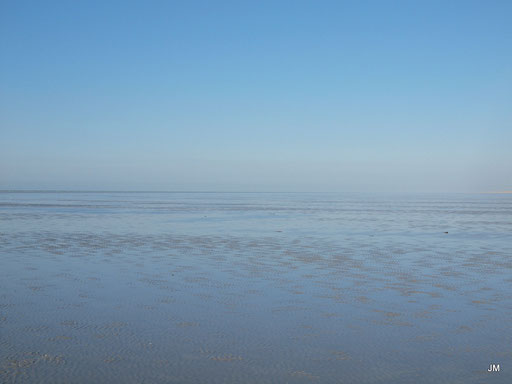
column 189, row 287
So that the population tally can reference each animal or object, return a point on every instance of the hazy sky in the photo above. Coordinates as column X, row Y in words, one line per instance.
column 256, row 95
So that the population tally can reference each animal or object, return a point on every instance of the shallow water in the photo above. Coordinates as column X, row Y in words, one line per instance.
column 255, row 288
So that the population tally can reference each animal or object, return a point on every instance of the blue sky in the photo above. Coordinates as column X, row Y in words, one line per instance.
column 256, row 95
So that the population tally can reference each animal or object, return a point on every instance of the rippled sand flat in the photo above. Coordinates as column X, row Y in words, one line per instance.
column 255, row 288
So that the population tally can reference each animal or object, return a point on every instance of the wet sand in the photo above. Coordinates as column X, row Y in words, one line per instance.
column 255, row 288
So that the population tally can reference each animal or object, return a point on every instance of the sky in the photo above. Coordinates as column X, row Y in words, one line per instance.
column 357, row 96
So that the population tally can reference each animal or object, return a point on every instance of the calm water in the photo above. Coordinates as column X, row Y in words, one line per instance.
column 255, row 288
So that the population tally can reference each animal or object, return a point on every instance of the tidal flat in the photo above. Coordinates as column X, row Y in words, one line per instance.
column 113, row 287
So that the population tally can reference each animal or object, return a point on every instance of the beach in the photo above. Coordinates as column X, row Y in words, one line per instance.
column 159, row 287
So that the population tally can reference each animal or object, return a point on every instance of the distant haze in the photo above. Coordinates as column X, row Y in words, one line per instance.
column 256, row 96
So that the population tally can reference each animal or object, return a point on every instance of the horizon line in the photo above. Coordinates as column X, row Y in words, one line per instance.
column 224, row 191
